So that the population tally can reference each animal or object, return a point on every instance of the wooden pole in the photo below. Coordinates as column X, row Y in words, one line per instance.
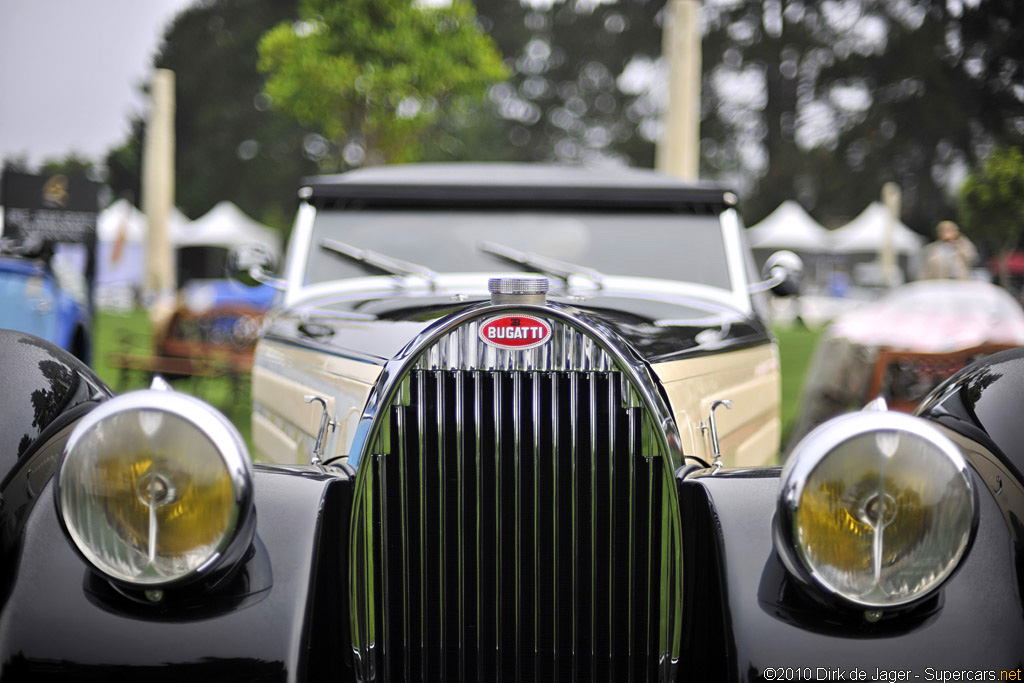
column 678, row 151
column 158, row 194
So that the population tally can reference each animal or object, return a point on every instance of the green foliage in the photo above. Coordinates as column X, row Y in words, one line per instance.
column 992, row 200
column 374, row 75
column 72, row 164
column 563, row 101
column 860, row 93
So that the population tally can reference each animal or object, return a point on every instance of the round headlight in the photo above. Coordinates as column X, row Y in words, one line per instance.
column 877, row 508
column 155, row 488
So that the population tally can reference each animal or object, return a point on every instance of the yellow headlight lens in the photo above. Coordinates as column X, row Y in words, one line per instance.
column 884, row 516
column 147, row 496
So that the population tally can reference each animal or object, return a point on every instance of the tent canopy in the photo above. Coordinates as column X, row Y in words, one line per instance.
column 866, row 233
column 789, row 226
column 121, row 216
column 225, row 225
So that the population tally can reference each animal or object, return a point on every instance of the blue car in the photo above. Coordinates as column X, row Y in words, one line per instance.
column 33, row 299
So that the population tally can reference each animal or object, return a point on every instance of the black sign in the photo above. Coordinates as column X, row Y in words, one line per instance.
column 57, row 208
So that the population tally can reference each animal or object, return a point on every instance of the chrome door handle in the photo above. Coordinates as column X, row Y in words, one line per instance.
column 717, row 464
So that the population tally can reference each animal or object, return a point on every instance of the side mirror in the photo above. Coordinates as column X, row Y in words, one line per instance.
column 253, row 265
column 781, row 274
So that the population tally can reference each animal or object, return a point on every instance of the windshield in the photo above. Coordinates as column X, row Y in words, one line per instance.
column 654, row 245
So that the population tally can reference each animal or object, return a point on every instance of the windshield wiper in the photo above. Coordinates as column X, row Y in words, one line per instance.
column 377, row 263
column 546, row 265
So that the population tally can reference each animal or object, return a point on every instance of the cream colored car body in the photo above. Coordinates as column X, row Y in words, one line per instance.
column 284, row 426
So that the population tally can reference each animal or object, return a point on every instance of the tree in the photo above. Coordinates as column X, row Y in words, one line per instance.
column 72, row 164
column 826, row 102
column 229, row 143
column 992, row 204
column 374, row 75
column 567, row 99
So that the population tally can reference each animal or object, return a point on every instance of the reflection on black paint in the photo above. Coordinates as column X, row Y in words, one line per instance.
column 48, row 402
column 980, row 381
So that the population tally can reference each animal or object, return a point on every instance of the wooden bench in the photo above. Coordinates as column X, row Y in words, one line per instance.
column 183, row 349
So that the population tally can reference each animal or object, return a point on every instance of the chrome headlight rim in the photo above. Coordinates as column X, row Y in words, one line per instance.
column 812, row 450
column 228, row 444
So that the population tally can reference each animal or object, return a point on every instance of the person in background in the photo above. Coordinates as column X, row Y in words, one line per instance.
column 950, row 257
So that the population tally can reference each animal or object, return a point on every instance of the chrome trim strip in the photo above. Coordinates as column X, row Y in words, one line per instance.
column 651, row 655
column 400, row 419
column 295, row 266
column 442, row 457
column 498, row 521
column 461, row 512
column 592, row 426
column 517, row 467
column 731, row 237
column 535, row 415
column 632, row 542
column 613, row 406
column 477, row 421
column 385, row 617
column 556, row 488
column 574, row 409
column 421, row 420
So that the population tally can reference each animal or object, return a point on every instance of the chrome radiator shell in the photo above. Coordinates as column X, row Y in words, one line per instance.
column 515, row 516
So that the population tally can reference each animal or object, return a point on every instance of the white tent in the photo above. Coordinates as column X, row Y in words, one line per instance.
column 789, row 226
column 866, row 233
column 225, row 225
column 119, row 218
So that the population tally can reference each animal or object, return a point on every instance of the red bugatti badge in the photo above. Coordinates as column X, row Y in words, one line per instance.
column 515, row 331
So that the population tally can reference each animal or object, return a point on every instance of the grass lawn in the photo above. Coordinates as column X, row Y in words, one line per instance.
column 796, row 348
column 113, row 332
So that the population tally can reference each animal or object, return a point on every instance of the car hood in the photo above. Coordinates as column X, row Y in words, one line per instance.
column 373, row 323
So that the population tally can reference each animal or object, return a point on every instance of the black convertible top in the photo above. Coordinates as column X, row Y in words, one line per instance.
column 505, row 184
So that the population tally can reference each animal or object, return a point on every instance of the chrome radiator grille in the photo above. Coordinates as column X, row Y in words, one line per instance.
column 515, row 526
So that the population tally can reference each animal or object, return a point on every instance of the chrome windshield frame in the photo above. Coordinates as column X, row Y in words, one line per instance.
column 737, row 297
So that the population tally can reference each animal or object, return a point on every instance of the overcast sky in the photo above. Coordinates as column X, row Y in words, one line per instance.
column 70, row 71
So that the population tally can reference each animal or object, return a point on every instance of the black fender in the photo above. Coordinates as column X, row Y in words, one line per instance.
column 45, row 392
column 283, row 616
column 747, row 619
column 44, row 389
column 983, row 403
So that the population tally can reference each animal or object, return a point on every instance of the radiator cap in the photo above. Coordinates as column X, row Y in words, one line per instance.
column 518, row 290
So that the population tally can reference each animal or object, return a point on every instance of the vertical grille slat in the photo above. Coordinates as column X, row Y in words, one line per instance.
column 498, row 469
column 595, row 536
column 442, row 542
column 385, row 614
column 516, row 524
column 478, row 500
column 538, row 586
column 403, row 489
column 460, row 464
column 421, row 426
column 634, row 647
column 574, row 410
column 517, row 432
